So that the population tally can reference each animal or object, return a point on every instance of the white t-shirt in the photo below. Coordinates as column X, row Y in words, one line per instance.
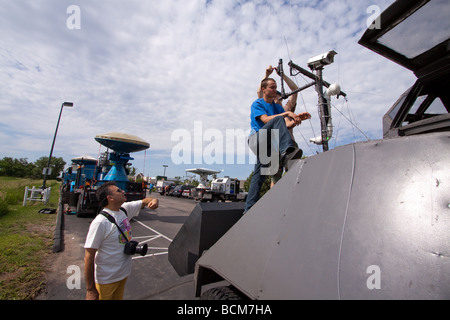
column 111, row 264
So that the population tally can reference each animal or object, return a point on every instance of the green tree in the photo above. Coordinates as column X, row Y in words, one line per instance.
column 264, row 188
column 132, row 172
column 57, row 165
column 193, row 182
column 15, row 167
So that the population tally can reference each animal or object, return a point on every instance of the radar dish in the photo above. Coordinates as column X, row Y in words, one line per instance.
column 84, row 159
column 203, row 171
column 122, row 142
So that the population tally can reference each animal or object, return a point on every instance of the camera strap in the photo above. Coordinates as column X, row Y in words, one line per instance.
column 112, row 220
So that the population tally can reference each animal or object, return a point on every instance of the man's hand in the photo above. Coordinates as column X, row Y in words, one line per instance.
column 292, row 119
column 92, row 294
column 269, row 71
column 150, row 203
column 304, row 116
column 91, row 290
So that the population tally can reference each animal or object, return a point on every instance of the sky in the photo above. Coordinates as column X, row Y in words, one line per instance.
column 180, row 75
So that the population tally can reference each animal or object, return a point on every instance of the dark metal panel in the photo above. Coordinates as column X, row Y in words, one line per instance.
column 334, row 217
column 241, row 255
column 286, row 246
column 398, row 222
column 304, row 262
column 204, row 226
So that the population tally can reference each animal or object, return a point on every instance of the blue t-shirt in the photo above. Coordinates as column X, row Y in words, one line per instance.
column 260, row 107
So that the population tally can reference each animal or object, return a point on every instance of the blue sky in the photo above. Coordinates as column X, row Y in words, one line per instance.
column 156, row 69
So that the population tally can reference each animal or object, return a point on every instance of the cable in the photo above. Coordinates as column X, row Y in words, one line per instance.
column 349, row 120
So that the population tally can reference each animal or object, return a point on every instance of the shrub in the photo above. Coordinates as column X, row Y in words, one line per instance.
column 4, row 208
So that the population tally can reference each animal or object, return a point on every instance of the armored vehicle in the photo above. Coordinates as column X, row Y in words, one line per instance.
column 368, row 220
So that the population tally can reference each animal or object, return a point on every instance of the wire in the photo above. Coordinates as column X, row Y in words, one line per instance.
column 287, row 48
column 303, row 100
column 349, row 120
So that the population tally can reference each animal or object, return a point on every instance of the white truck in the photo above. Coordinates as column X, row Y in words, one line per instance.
column 223, row 189
column 162, row 184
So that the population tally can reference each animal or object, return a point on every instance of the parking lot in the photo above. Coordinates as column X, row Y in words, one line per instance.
column 152, row 277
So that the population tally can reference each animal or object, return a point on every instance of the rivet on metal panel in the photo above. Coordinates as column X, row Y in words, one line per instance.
column 259, row 293
column 438, row 254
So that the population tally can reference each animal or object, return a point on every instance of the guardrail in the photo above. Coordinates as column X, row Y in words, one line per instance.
column 36, row 194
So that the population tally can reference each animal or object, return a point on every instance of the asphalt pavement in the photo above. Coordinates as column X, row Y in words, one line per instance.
column 152, row 276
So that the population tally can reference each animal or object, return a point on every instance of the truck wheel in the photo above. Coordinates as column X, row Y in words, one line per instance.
column 222, row 293
column 80, row 212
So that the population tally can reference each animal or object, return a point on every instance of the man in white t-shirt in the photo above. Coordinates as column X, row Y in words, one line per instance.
column 106, row 266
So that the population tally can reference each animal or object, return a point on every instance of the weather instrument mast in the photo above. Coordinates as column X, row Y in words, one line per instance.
column 316, row 64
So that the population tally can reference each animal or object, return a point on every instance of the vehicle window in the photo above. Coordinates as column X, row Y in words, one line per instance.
column 436, row 107
column 395, row 110
column 417, row 104
column 425, row 107
column 431, row 19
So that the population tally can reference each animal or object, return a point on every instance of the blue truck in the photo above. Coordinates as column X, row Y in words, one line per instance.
column 82, row 179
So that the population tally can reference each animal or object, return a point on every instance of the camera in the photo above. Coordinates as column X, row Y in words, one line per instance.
column 133, row 247
column 321, row 60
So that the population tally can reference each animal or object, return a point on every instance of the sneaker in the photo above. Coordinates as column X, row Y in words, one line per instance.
column 290, row 154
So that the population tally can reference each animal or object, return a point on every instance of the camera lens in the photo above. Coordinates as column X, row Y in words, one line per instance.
column 142, row 250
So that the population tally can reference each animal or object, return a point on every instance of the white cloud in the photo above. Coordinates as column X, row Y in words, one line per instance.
column 148, row 68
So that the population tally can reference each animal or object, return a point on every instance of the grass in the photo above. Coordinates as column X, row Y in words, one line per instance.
column 26, row 239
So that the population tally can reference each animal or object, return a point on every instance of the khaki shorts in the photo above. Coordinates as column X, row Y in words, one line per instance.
column 111, row 291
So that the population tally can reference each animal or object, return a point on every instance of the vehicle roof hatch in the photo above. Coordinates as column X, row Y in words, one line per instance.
column 403, row 33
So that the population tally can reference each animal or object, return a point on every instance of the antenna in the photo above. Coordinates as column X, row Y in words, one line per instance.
column 316, row 64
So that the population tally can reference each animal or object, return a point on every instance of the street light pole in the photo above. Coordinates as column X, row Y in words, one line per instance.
column 47, row 169
column 165, row 166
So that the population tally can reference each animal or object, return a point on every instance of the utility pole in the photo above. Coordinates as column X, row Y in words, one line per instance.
column 47, row 171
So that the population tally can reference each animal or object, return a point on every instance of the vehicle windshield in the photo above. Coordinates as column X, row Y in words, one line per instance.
column 425, row 100
column 217, row 186
column 421, row 31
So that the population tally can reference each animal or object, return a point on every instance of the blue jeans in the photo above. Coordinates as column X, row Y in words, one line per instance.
column 267, row 162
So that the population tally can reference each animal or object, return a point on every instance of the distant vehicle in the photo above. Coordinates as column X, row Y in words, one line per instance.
column 162, row 184
column 178, row 191
column 169, row 190
column 224, row 189
column 86, row 174
column 188, row 193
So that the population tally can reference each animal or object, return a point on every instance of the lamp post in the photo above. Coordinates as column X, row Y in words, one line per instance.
column 165, row 166
column 47, row 170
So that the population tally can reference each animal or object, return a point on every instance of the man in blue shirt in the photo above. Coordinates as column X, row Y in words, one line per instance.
column 269, row 138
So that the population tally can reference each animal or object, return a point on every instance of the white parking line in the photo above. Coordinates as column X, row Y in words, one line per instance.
column 150, row 238
column 150, row 255
column 159, row 233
